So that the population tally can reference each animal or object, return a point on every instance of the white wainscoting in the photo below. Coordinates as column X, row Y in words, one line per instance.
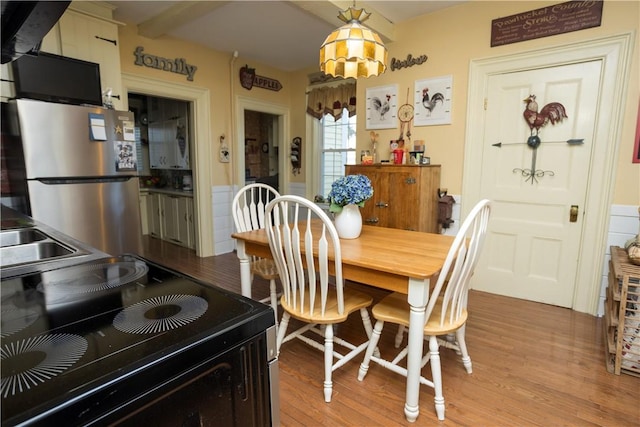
column 298, row 189
column 223, row 227
column 221, row 198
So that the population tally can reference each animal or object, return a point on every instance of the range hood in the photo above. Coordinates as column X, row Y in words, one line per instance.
column 25, row 23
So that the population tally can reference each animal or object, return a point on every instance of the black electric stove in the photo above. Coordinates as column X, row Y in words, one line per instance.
column 123, row 341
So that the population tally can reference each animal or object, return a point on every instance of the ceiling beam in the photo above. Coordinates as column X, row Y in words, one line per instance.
column 329, row 10
column 179, row 14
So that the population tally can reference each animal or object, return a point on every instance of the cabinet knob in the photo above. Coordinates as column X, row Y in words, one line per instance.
column 410, row 180
column 372, row 220
column 382, row 205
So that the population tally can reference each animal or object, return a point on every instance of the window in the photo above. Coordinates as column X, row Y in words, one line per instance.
column 338, row 148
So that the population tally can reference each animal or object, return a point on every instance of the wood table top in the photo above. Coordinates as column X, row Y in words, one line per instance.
column 382, row 257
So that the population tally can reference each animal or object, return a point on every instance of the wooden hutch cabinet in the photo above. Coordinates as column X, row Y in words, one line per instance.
column 404, row 196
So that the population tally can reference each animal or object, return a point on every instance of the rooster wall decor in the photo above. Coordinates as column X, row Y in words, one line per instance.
column 430, row 102
column 553, row 112
column 432, row 99
column 381, row 106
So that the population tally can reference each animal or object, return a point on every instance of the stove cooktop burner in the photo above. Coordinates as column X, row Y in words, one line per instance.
column 15, row 319
column 92, row 277
column 41, row 358
column 69, row 333
column 160, row 314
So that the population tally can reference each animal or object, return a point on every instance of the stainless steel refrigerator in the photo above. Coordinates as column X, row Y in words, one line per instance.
column 80, row 172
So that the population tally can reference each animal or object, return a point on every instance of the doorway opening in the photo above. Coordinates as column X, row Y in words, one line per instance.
column 164, row 140
column 276, row 119
column 199, row 99
column 261, row 148
column 164, row 136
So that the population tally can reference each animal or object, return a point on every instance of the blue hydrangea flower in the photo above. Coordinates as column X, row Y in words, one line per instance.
column 350, row 189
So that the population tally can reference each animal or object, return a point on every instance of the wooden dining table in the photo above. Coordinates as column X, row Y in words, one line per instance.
column 387, row 258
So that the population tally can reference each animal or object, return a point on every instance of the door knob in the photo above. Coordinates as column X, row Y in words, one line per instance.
column 573, row 213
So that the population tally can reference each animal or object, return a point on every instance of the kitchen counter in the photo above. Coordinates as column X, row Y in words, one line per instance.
column 80, row 251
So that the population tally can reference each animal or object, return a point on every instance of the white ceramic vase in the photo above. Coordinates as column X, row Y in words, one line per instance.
column 348, row 222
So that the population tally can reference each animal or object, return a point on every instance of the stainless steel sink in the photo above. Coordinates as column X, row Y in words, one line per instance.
column 30, row 245
column 32, row 252
column 21, row 236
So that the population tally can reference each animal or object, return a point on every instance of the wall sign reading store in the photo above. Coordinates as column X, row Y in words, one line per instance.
column 177, row 65
column 546, row 21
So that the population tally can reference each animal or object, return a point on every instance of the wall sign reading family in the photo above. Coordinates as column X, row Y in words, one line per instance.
column 177, row 65
column 546, row 21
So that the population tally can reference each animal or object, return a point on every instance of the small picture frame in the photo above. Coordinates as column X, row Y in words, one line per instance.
column 382, row 105
column 432, row 101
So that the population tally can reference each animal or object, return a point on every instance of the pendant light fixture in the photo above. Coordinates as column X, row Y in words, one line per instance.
column 353, row 50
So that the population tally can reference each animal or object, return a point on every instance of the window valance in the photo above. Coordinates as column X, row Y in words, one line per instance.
column 332, row 100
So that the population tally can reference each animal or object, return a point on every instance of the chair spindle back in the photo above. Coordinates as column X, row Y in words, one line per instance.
column 297, row 230
column 460, row 263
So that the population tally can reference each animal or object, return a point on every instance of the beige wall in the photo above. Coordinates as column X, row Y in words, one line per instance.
column 299, row 83
column 450, row 38
column 214, row 73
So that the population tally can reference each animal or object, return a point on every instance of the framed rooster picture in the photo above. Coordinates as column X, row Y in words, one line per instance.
column 382, row 105
column 432, row 101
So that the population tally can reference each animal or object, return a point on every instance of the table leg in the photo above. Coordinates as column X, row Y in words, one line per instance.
column 245, row 269
column 417, row 297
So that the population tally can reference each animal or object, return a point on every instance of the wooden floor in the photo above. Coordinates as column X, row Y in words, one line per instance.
column 533, row 365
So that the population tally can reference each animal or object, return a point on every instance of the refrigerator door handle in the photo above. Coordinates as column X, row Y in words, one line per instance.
column 83, row 180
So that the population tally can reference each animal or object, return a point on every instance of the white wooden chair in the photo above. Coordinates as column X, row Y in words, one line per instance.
column 446, row 311
column 307, row 259
column 248, row 210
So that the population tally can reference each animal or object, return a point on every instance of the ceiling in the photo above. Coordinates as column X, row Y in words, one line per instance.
column 283, row 34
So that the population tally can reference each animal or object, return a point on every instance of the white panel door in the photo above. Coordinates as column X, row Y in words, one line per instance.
column 532, row 247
